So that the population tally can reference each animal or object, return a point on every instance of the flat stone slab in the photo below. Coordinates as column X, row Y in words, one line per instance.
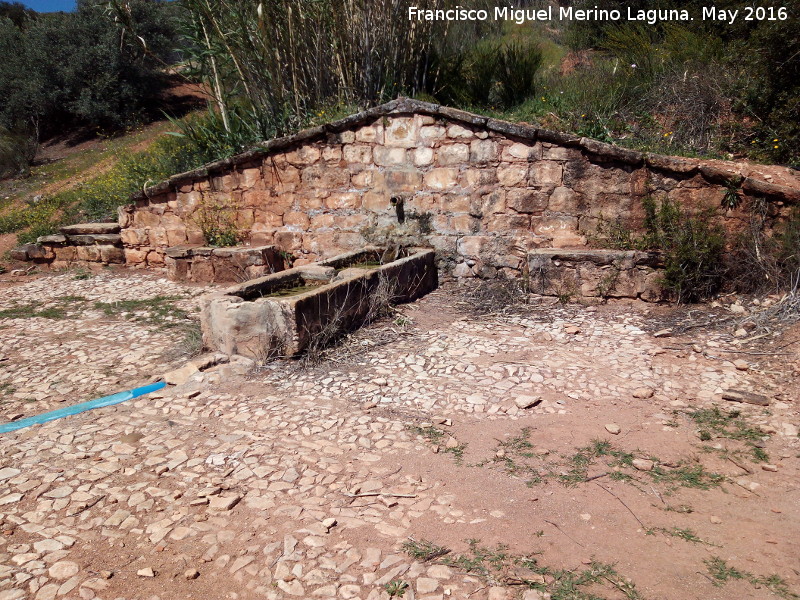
column 90, row 229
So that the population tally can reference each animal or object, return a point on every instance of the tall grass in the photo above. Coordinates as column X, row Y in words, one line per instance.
column 271, row 65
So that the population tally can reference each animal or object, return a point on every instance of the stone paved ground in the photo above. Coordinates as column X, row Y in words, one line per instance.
column 72, row 337
column 305, row 482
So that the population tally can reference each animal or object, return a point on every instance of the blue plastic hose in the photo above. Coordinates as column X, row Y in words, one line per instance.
column 75, row 409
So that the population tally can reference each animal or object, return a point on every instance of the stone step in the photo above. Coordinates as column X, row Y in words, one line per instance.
column 90, row 229
column 104, row 239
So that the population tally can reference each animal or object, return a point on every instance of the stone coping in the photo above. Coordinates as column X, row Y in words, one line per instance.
column 600, row 150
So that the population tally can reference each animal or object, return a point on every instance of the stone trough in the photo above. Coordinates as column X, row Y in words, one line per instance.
column 282, row 314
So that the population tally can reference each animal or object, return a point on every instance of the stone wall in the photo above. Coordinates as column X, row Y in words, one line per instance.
column 482, row 192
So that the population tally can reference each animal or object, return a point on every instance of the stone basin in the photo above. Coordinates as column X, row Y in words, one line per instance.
column 282, row 314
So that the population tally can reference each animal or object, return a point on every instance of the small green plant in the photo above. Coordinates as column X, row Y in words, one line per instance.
column 684, row 534
column 159, row 311
column 218, row 220
column 436, row 437
column 731, row 198
column 721, row 572
column 82, row 274
column 396, row 588
column 58, row 308
column 424, row 550
column 713, row 422
column 497, row 565
column 609, row 281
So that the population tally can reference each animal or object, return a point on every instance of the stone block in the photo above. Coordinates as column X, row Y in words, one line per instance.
column 249, row 177
column 501, row 223
column 91, row 229
column 430, row 134
column 483, row 151
column 518, row 152
column 388, row 157
column 550, row 152
column 403, row 181
column 289, row 241
column 422, row 157
column 202, row 270
column 527, row 200
column 331, row 154
column 563, row 200
column 563, row 231
column 157, row 236
column 452, row 154
column 494, row 202
column 512, row 175
column 368, row 179
column 112, row 255
column 464, row 224
column 146, row 218
column 155, row 258
column 176, row 236
column 546, row 173
column 134, row 237
column 458, row 132
column 356, row 153
column 88, row 253
column 401, row 133
column 311, row 200
column 65, row 253
column 423, row 203
column 318, row 176
column 350, row 222
column 296, row 219
column 472, row 246
column 343, row 201
column 376, row 202
column 304, row 155
column 441, row 179
column 457, row 203
column 136, row 256
column 371, row 134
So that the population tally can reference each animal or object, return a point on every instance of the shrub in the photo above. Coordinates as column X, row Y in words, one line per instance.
column 692, row 248
column 764, row 262
column 217, row 219
column 517, row 67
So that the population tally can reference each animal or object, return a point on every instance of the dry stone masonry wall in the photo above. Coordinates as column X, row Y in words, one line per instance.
column 482, row 192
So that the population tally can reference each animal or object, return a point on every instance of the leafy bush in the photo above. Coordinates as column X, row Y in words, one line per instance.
column 692, row 248
column 517, row 67
column 16, row 153
column 766, row 262
column 691, row 244
column 69, row 69
column 486, row 74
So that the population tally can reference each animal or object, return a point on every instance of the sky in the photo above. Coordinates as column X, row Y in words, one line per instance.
column 49, row 5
